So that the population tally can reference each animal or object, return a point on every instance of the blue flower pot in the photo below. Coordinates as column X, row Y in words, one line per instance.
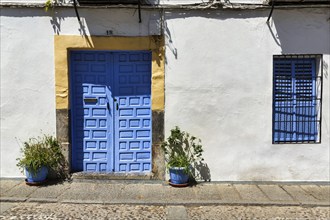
column 178, row 175
column 39, row 176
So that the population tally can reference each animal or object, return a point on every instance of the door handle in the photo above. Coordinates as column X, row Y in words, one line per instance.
column 117, row 105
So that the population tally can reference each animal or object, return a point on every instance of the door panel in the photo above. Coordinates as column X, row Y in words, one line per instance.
column 133, row 118
column 111, row 111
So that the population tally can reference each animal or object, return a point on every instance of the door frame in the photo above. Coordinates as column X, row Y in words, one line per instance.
column 65, row 43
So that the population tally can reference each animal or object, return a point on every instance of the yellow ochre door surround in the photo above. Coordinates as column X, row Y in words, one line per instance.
column 65, row 43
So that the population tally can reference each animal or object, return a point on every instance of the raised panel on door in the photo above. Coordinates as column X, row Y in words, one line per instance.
column 133, row 135
column 111, row 111
column 91, row 105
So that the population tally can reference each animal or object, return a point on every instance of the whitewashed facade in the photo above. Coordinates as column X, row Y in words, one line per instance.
column 218, row 78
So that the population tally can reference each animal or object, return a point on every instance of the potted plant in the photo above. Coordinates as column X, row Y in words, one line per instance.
column 182, row 151
column 39, row 155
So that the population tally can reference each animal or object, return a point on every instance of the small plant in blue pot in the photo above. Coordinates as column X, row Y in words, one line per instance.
column 39, row 155
column 182, row 152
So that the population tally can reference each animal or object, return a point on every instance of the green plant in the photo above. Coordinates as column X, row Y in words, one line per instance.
column 39, row 152
column 50, row 4
column 182, row 150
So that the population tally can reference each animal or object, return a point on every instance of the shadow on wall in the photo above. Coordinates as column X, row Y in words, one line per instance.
column 202, row 172
column 98, row 22
column 303, row 31
column 169, row 42
column 169, row 31
column 56, row 22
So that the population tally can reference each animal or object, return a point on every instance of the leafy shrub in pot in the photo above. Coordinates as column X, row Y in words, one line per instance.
column 40, row 155
column 182, row 151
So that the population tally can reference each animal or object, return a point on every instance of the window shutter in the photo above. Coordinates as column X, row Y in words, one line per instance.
column 283, row 101
column 305, row 95
column 294, row 106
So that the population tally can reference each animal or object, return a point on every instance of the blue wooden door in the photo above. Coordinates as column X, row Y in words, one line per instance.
column 111, row 111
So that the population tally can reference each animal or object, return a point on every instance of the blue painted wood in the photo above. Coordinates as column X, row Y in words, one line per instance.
column 101, row 81
column 294, row 95
column 133, row 117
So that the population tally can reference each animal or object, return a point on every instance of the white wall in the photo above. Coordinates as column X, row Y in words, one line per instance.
column 27, row 67
column 218, row 81
column 219, row 88
column 191, row 2
column 161, row 2
column 27, row 84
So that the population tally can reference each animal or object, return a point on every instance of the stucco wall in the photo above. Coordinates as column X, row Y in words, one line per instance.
column 161, row 2
column 27, row 67
column 218, row 81
column 27, row 84
column 219, row 87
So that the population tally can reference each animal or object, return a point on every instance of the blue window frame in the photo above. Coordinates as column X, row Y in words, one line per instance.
column 296, row 99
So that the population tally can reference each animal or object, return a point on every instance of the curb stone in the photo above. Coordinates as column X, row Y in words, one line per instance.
column 171, row 203
column 176, row 212
column 12, row 199
column 44, row 200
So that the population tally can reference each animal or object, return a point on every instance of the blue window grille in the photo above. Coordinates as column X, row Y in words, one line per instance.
column 297, row 98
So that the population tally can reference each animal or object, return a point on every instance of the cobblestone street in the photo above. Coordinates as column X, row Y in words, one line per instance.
column 82, row 211
column 114, row 212
column 257, row 212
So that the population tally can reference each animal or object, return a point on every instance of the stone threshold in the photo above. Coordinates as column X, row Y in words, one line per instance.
column 85, row 176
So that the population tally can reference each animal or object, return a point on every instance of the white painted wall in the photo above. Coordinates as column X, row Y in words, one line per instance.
column 161, row 2
column 27, row 67
column 191, row 2
column 27, row 84
column 219, row 88
column 218, row 81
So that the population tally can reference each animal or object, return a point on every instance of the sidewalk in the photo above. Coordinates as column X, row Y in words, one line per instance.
column 160, row 193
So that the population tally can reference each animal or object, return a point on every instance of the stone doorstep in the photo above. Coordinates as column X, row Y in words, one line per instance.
column 111, row 176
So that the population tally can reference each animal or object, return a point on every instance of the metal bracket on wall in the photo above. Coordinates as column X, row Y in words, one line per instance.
column 76, row 9
column 271, row 11
column 139, row 8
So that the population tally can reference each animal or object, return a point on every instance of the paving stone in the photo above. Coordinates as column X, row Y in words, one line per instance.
column 81, row 191
column 325, row 190
column 20, row 190
column 109, row 192
column 4, row 206
column 207, row 192
column 228, row 192
column 179, row 194
column 317, row 192
column 251, row 193
column 139, row 192
column 50, row 191
column 298, row 193
column 275, row 193
column 176, row 213
column 7, row 184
